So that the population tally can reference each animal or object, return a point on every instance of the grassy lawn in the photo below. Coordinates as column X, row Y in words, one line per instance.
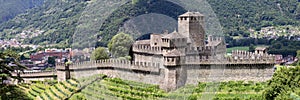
column 229, row 50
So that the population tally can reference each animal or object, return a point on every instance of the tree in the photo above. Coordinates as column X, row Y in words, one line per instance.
column 119, row 45
column 8, row 64
column 99, row 53
column 298, row 56
column 251, row 48
column 285, row 82
column 51, row 60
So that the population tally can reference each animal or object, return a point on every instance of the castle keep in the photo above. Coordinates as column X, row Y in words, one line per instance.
column 174, row 59
column 178, row 48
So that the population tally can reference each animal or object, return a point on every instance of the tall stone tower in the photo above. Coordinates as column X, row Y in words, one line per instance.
column 191, row 25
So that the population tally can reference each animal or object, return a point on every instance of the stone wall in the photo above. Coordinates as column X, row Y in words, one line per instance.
column 150, row 77
column 206, row 73
column 168, row 77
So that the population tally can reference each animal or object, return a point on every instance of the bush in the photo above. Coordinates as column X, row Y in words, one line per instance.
column 78, row 96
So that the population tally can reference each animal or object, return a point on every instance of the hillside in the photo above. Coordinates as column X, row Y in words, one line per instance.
column 283, row 86
column 99, row 87
column 11, row 8
column 239, row 16
column 58, row 20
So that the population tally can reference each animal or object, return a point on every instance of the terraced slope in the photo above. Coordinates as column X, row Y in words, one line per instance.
column 232, row 90
column 115, row 88
column 59, row 91
column 36, row 89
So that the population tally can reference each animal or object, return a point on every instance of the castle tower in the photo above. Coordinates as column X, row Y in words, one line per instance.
column 191, row 25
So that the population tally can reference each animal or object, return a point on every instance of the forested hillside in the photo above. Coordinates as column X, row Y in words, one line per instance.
column 238, row 16
column 11, row 8
column 58, row 19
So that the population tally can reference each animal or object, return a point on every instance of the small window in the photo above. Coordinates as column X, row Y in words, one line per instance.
column 155, row 43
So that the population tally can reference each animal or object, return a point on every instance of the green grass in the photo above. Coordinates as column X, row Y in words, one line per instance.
column 115, row 88
column 100, row 87
column 229, row 50
column 231, row 90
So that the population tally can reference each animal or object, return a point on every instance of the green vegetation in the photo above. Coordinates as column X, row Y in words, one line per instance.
column 100, row 53
column 9, row 92
column 238, row 16
column 114, row 88
column 281, row 45
column 229, row 50
column 50, row 90
column 284, row 85
column 120, row 44
column 231, row 90
column 59, row 19
column 9, row 9
column 298, row 56
column 9, row 57
column 53, row 90
column 130, row 10
column 284, row 46
column 56, row 18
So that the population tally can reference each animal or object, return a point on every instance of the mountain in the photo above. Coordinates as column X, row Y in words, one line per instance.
column 11, row 8
column 56, row 21
column 238, row 16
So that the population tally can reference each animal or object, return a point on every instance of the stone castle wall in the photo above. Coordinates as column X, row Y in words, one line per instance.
column 208, row 73
column 154, row 73
column 169, row 78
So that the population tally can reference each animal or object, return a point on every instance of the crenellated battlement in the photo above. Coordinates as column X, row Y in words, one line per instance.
column 240, row 54
column 36, row 74
column 206, row 60
column 113, row 63
column 199, row 50
column 147, row 49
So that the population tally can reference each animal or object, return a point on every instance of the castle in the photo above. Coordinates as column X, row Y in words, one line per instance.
column 176, row 48
column 172, row 60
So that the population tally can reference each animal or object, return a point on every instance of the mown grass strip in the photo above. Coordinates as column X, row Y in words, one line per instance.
column 51, row 95
column 55, row 93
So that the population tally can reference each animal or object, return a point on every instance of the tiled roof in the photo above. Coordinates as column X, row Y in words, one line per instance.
column 213, row 43
column 173, row 35
column 191, row 14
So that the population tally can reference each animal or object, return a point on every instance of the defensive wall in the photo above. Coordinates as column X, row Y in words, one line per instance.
column 170, row 78
column 35, row 76
column 240, row 66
